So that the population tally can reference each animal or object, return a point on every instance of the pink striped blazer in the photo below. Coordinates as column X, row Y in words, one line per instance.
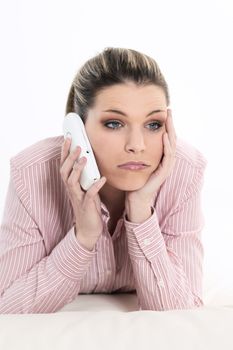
column 43, row 266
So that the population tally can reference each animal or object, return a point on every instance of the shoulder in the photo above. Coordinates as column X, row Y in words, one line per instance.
column 40, row 152
column 188, row 172
column 179, row 199
column 34, row 173
column 186, row 178
column 189, row 167
column 189, row 155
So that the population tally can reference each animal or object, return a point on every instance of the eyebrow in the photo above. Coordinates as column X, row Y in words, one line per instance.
column 125, row 115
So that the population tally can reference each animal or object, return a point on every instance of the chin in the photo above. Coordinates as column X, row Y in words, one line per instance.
column 131, row 188
column 125, row 185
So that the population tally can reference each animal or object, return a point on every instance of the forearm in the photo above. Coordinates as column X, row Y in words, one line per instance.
column 40, row 290
column 85, row 241
column 167, row 285
column 49, row 284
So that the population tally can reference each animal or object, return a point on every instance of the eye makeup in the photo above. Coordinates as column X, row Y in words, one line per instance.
column 157, row 124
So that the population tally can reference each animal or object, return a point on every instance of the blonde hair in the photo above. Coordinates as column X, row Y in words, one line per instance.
column 112, row 66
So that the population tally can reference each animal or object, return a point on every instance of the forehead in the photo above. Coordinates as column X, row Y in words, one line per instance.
column 128, row 93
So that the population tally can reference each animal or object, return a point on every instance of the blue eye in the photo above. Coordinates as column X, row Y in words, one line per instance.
column 157, row 126
column 112, row 122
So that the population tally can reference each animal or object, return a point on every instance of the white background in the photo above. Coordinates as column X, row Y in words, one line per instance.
column 43, row 44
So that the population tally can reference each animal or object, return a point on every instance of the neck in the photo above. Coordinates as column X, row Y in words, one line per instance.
column 113, row 198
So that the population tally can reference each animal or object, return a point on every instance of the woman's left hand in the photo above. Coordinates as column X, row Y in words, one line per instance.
column 147, row 193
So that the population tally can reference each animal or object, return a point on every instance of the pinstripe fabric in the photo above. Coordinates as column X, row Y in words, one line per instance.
column 43, row 266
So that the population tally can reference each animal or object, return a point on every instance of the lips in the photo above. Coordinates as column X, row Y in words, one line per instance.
column 133, row 166
column 134, row 163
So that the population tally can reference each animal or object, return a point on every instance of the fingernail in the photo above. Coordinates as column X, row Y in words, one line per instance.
column 82, row 160
column 101, row 181
column 68, row 136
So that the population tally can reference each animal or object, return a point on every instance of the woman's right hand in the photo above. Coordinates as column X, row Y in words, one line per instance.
column 86, row 205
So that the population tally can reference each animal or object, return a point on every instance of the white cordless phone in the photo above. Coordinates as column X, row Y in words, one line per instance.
column 74, row 126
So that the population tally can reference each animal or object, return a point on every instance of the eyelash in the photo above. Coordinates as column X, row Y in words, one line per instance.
column 115, row 121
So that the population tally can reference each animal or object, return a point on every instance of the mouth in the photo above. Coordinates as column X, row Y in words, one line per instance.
column 134, row 166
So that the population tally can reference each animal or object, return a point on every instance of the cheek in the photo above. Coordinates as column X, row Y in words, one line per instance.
column 104, row 155
column 97, row 144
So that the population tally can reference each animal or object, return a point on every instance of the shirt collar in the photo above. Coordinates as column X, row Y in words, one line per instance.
column 104, row 209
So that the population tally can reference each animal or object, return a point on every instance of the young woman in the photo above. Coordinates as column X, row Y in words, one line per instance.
column 137, row 229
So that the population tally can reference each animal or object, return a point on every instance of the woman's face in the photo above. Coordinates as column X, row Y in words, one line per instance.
column 124, row 126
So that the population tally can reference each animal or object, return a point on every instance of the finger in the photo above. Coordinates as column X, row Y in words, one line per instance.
column 95, row 188
column 68, row 162
column 168, row 153
column 167, row 145
column 170, row 129
column 73, row 181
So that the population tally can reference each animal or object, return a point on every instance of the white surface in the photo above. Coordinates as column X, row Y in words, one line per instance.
column 108, row 322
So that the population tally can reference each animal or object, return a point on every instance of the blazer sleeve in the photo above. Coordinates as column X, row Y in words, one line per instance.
column 167, row 263
column 30, row 280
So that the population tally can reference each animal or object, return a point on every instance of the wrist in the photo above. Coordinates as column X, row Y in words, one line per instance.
column 84, row 240
column 89, row 245
column 139, row 213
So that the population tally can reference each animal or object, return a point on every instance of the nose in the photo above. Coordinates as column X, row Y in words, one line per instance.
column 135, row 142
